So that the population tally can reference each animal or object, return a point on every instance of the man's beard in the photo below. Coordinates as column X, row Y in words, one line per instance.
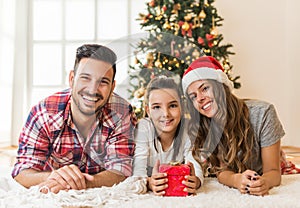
column 97, row 110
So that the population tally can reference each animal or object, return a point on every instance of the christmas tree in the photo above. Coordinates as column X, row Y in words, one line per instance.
column 178, row 33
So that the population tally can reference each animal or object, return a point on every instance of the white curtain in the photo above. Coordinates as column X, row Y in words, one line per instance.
column 13, row 67
column 7, row 38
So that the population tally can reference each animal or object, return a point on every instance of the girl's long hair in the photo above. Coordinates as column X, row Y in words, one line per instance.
column 225, row 141
column 167, row 83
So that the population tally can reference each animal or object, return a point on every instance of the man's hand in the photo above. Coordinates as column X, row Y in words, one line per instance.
column 65, row 178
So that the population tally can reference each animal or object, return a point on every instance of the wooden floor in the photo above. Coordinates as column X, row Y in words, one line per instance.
column 292, row 154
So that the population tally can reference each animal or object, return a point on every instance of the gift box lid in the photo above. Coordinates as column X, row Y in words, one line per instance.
column 175, row 169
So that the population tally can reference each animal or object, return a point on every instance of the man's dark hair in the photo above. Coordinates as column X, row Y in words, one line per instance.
column 98, row 52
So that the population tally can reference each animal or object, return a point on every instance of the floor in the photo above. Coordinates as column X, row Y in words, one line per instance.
column 7, row 157
column 292, row 154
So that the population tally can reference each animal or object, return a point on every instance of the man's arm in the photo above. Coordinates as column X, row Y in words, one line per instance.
column 31, row 177
column 65, row 178
column 105, row 178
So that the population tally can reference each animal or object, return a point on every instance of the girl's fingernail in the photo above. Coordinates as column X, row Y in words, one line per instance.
column 246, row 189
column 254, row 179
column 255, row 174
column 248, row 192
column 248, row 185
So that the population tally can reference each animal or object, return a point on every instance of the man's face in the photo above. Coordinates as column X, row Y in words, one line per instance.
column 91, row 86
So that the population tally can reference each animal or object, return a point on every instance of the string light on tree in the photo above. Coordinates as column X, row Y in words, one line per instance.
column 179, row 32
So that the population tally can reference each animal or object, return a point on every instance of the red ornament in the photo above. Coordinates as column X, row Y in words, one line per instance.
column 164, row 8
column 186, row 28
column 152, row 76
column 176, row 174
column 200, row 41
column 209, row 39
column 152, row 3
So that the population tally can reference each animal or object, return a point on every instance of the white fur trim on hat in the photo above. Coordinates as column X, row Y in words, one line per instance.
column 205, row 73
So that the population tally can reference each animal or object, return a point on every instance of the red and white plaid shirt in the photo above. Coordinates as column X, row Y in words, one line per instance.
column 49, row 140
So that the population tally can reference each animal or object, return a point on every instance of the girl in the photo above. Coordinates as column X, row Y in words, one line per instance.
column 161, row 137
column 238, row 140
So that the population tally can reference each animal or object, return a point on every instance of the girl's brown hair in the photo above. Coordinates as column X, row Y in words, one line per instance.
column 166, row 83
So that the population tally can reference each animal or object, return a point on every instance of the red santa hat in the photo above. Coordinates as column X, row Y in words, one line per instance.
column 205, row 67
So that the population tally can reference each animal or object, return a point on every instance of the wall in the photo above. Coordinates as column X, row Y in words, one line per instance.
column 265, row 36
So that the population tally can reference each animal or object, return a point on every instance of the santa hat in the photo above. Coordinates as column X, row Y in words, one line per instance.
column 205, row 67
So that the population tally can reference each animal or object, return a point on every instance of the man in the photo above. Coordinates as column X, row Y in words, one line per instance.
column 81, row 137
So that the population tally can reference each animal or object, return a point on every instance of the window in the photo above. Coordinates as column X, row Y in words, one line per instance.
column 60, row 26
column 55, row 29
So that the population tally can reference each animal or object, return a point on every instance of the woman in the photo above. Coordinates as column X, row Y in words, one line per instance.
column 236, row 140
column 161, row 137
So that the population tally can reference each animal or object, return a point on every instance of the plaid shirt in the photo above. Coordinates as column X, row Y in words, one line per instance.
column 49, row 140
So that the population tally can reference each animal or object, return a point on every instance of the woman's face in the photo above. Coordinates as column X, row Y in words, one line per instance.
column 201, row 94
column 164, row 110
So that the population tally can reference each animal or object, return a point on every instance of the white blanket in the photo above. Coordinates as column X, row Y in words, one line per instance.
column 130, row 194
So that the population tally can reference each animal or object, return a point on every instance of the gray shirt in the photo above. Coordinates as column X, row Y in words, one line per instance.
column 267, row 129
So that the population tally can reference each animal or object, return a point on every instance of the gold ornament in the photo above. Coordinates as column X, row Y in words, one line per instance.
column 137, row 110
column 205, row 3
column 159, row 17
column 176, row 7
column 158, row 64
column 176, row 28
column 214, row 31
column 202, row 15
column 150, row 57
column 167, row 26
column 196, row 22
column 140, row 92
column 186, row 26
column 188, row 17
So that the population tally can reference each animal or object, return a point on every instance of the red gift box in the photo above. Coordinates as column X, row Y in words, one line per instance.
column 176, row 173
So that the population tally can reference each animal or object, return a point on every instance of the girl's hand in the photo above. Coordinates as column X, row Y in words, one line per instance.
column 158, row 181
column 192, row 182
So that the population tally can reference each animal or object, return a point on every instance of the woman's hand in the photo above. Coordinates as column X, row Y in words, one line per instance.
column 192, row 182
column 252, row 183
column 158, row 181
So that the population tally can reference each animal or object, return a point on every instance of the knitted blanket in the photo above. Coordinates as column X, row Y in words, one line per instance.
column 131, row 193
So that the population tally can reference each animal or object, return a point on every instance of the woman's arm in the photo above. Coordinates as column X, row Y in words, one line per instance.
column 249, row 181
column 271, row 171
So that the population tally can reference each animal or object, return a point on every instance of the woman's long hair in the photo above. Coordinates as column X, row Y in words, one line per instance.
column 225, row 141
column 167, row 83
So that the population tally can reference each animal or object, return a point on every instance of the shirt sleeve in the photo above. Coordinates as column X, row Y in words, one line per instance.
column 33, row 142
column 142, row 148
column 120, row 145
column 189, row 158
column 271, row 130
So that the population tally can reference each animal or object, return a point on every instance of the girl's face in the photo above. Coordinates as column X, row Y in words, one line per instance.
column 164, row 110
column 201, row 94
